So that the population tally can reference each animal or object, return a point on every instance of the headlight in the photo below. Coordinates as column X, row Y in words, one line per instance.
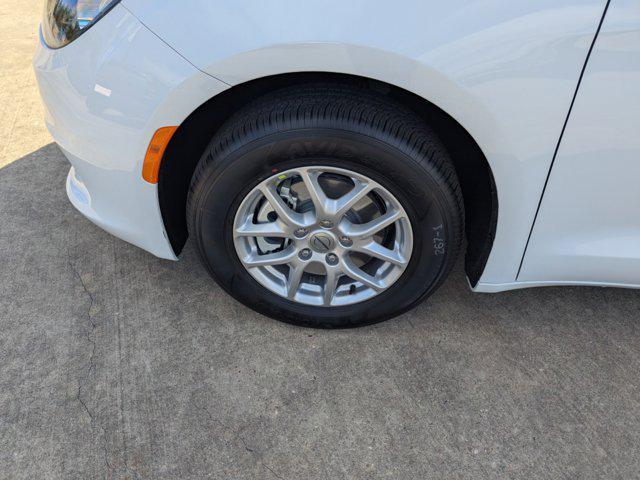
column 66, row 20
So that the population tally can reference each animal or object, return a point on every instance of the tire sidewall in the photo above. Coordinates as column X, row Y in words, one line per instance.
column 234, row 174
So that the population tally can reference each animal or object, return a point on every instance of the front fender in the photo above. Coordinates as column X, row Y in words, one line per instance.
column 506, row 71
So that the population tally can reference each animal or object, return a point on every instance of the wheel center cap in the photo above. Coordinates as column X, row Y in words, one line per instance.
column 322, row 242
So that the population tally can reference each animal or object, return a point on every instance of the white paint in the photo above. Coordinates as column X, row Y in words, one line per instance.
column 589, row 224
column 105, row 137
column 506, row 71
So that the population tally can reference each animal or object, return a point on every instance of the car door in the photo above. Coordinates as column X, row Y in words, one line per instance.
column 588, row 225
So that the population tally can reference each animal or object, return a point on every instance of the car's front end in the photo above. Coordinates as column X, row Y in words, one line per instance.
column 108, row 85
column 119, row 92
column 246, row 105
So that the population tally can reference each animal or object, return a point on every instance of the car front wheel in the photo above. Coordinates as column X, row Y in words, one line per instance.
column 326, row 206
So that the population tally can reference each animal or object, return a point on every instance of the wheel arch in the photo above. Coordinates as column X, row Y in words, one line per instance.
column 194, row 134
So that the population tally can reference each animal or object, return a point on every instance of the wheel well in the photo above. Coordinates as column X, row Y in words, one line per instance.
column 193, row 136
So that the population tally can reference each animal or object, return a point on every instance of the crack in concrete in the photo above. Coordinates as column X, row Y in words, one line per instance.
column 238, row 435
column 272, row 471
column 83, row 381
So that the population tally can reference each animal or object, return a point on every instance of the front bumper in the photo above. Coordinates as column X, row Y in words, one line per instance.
column 105, row 95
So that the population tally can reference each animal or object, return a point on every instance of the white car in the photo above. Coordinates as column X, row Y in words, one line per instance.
column 331, row 158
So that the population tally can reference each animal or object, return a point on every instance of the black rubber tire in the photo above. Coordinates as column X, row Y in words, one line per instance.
column 331, row 125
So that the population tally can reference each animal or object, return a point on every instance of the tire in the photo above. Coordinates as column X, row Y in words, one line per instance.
column 330, row 127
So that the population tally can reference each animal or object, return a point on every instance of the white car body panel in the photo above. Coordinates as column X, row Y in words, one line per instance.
column 506, row 71
column 588, row 228
column 106, row 95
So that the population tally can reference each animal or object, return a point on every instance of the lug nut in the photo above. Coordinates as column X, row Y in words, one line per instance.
column 326, row 224
column 346, row 241
column 300, row 233
column 305, row 254
column 332, row 259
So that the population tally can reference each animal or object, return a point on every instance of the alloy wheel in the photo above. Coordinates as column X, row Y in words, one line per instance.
column 323, row 236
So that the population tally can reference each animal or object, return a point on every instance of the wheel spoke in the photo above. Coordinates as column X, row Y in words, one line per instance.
column 278, row 258
column 270, row 229
column 330, row 285
column 361, row 276
column 279, row 228
column 318, row 197
column 293, row 281
column 343, row 204
column 285, row 213
column 374, row 249
column 369, row 229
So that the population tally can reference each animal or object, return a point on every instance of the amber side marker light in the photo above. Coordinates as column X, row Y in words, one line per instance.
column 155, row 152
